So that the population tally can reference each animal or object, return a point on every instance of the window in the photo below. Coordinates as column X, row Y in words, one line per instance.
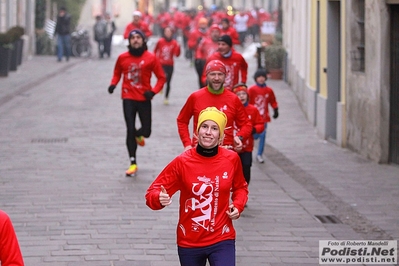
column 358, row 37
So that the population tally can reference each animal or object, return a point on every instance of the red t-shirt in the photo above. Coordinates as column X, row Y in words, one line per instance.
column 206, row 185
column 137, row 72
column 10, row 253
column 165, row 51
column 226, row 102
column 262, row 97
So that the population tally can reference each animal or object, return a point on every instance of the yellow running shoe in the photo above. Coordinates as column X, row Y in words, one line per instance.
column 132, row 170
column 140, row 141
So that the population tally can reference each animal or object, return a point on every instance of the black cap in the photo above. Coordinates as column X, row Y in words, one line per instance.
column 226, row 39
column 226, row 20
column 260, row 73
column 137, row 31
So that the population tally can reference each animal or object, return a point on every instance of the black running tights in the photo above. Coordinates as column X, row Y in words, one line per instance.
column 130, row 109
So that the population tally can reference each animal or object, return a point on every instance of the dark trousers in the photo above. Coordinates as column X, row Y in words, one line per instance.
column 185, row 46
column 107, row 45
column 168, row 73
column 199, row 67
column 130, row 109
column 246, row 162
column 241, row 36
column 219, row 254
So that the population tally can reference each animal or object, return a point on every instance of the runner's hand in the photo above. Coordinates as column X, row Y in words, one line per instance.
column 164, row 198
column 232, row 212
column 148, row 95
column 111, row 89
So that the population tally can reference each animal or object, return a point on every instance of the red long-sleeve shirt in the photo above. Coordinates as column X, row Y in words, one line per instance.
column 226, row 102
column 139, row 26
column 236, row 66
column 195, row 37
column 165, row 50
column 262, row 97
column 206, row 48
column 205, row 185
column 232, row 33
column 10, row 253
column 257, row 123
column 164, row 19
column 137, row 71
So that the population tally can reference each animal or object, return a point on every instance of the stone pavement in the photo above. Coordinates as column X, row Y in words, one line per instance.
column 63, row 157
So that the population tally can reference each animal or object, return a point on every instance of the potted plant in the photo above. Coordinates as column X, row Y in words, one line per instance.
column 20, row 43
column 5, row 54
column 16, row 33
column 274, row 59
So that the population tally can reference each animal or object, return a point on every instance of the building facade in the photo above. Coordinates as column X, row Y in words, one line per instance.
column 342, row 64
column 19, row 13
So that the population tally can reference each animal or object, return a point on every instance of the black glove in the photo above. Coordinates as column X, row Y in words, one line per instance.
column 148, row 95
column 111, row 89
column 275, row 115
column 253, row 131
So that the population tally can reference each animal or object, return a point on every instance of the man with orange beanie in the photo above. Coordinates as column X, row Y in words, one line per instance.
column 209, row 44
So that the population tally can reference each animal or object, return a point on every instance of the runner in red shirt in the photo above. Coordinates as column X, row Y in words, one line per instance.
column 148, row 19
column 163, row 19
column 253, row 24
column 136, row 66
column 188, row 25
column 207, row 177
column 257, row 127
column 166, row 49
column 215, row 95
column 262, row 96
column 237, row 67
column 10, row 252
column 263, row 16
column 195, row 38
column 137, row 24
column 209, row 44
column 226, row 29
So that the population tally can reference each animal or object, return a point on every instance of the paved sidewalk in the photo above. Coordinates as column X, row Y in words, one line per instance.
column 62, row 159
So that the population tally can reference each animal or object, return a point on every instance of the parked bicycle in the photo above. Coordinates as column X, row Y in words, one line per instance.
column 81, row 46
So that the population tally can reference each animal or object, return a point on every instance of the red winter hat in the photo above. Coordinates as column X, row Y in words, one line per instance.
column 215, row 65
column 214, row 27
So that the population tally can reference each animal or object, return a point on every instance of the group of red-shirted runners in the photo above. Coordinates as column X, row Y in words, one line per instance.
column 213, row 172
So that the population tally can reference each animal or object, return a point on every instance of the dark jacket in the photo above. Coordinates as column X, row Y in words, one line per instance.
column 63, row 25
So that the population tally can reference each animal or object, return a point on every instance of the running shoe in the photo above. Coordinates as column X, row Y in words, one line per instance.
column 260, row 158
column 140, row 141
column 132, row 170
